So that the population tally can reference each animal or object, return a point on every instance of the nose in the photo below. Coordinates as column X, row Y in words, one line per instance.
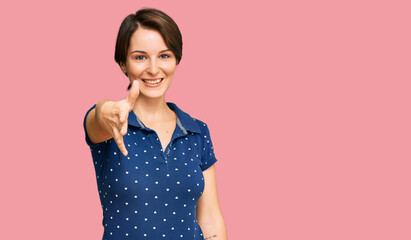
column 153, row 67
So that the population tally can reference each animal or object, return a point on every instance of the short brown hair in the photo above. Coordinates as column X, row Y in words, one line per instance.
column 149, row 18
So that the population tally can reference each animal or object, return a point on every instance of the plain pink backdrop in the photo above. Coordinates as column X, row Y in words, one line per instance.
column 308, row 104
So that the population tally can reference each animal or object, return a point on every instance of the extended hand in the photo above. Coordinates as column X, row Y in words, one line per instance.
column 112, row 116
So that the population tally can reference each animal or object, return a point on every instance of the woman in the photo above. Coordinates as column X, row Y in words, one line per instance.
column 154, row 163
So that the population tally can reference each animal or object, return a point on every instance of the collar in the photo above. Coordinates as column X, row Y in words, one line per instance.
column 184, row 121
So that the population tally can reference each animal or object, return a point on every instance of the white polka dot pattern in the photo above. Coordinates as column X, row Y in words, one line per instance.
column 151, row 194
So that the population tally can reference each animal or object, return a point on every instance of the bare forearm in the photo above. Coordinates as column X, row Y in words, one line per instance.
column 214, row 230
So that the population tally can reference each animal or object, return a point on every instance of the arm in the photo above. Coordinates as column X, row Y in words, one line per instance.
column 109, row 119
column 95, row 131
column 209, row 214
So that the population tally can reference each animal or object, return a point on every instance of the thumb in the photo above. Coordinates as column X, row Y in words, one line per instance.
column 133, row 94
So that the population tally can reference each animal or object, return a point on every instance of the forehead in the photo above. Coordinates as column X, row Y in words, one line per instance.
column 146, row 40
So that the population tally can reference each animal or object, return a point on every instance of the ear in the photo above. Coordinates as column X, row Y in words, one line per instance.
column 123, row 67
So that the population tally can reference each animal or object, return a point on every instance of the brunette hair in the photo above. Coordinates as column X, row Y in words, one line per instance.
column 149, row 18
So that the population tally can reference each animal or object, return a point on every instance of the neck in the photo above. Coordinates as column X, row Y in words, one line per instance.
column 151, row 109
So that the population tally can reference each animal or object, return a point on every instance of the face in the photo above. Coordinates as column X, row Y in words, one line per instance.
column 150, row 62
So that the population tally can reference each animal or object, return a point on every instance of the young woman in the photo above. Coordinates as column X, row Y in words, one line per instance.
column 154, row 163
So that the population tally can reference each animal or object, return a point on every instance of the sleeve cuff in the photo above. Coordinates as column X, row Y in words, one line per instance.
column 208, row 163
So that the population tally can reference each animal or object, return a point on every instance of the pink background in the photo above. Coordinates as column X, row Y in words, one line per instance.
column 308, row 104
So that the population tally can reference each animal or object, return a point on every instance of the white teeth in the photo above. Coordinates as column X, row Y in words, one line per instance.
column 153, row 82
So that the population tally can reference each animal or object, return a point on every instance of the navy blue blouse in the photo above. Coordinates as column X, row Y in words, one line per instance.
column 151, row 194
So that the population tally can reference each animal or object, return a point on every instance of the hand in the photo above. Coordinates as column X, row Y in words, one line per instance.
column 112, row 116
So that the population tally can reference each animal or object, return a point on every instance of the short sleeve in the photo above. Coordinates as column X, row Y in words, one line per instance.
column 207, row 157
column 98, row 152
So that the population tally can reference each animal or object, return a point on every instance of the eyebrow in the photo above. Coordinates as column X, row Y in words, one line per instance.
column 146, row 52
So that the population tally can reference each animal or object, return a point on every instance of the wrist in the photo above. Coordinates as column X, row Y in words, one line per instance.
column 98, row 109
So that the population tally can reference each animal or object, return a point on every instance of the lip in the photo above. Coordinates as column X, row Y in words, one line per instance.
column 152, row 79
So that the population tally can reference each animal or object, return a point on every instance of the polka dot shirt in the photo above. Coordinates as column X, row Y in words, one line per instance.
column 151, row 194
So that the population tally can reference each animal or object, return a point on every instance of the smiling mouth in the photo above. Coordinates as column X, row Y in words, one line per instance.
column 152, row 81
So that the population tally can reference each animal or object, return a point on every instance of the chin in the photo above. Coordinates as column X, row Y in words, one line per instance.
column 152, row 95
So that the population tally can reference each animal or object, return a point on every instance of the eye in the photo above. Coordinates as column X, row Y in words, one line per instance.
column 140, row 57
column 164, row 56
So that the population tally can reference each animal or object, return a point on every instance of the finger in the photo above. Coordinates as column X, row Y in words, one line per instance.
column 133, row 94
column 120, row 143
column 123, row 116
column 124, row 128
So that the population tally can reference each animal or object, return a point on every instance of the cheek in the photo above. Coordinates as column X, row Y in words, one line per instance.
column 136, row 69
column 170, row 69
